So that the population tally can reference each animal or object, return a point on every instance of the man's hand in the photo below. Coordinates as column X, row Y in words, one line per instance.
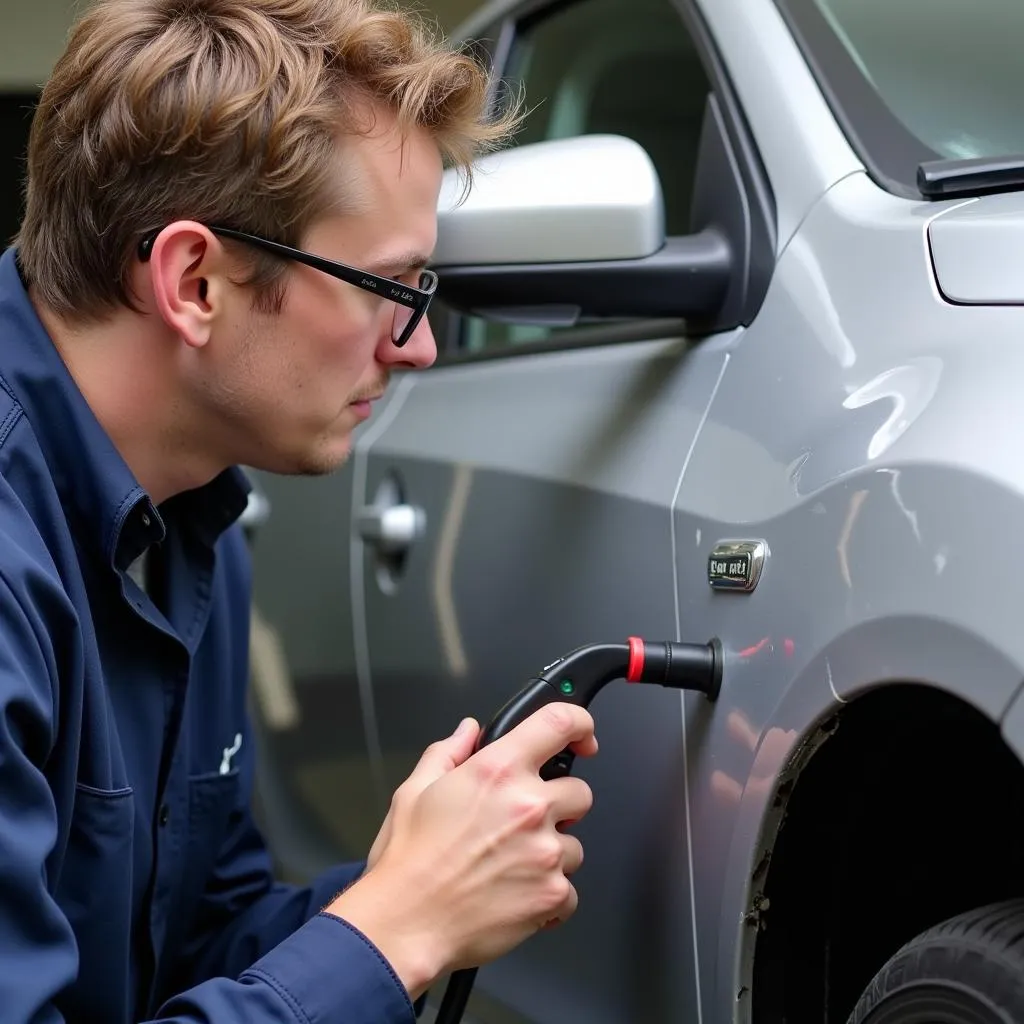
column 471, row 859
column 437, row 759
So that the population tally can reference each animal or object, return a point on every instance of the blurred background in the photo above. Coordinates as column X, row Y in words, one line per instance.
column 33, row 39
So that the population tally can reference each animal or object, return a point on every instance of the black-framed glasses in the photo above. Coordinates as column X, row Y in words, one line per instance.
column 410, row 302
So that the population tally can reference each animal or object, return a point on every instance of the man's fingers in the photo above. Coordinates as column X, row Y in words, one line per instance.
column 587, row 747
column 548, row 731
column 567, row 909
column 571, row 798
column 572, row 854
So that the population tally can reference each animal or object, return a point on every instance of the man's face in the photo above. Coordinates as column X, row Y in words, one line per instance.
column 286, row 389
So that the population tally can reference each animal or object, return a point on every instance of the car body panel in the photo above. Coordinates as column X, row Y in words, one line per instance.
column 803, row 150
column 837, row 437
column 315, row 784
column 574, row 495
column 975, row 248
column 536, row 494
column 1013, row 725
column 524, row 469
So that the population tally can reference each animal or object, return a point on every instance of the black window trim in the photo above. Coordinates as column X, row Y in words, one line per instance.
column 587, row 336
column 890, row 152
column 754, row 174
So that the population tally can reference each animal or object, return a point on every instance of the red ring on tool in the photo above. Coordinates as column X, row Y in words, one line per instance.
column 636, row 660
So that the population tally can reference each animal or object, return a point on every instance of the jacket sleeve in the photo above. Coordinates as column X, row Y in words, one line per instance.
column 38, row 952
column 325, row 972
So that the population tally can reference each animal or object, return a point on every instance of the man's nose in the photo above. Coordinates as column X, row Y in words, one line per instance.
column 418, row 352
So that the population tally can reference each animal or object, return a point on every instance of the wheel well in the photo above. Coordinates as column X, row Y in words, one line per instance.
column 906, row 815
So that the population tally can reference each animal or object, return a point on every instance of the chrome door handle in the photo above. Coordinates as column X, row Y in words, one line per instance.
column 391, row 529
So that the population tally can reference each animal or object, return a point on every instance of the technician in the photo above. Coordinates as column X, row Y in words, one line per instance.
column 154, row 336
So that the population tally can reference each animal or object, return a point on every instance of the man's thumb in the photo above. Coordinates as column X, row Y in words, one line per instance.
column 462, row 742
column 444, row 755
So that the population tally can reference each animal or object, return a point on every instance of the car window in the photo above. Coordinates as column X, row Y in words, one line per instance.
column 918, row 80
column 626, row 67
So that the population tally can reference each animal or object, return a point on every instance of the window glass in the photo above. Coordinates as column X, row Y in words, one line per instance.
column 625, row 67
column 920, row 79
column 950, row 71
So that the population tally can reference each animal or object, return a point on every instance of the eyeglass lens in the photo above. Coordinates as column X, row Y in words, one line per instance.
column 404, row 314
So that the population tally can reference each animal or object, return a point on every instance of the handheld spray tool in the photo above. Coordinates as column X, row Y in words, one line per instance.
column 576, row 678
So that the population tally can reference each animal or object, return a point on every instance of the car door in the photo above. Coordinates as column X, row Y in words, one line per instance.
column 516, row 503
column 317, row 796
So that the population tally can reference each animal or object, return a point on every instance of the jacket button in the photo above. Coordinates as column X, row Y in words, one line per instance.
column 165, row 814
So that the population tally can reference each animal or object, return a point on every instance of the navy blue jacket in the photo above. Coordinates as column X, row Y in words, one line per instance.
column 134, row 884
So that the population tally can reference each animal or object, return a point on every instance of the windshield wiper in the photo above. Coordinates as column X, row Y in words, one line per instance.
column 947, row 179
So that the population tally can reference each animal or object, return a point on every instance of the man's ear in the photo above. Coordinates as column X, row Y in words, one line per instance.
column 187, row 265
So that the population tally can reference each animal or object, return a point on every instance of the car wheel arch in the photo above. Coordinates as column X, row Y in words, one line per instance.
column 788, row 787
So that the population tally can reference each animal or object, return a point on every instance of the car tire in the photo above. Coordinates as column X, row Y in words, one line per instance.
column 967, row 970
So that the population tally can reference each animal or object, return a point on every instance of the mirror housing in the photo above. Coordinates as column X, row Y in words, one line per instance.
column 569, row 231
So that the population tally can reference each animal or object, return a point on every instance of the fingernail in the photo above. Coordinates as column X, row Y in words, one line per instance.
column 464, row 726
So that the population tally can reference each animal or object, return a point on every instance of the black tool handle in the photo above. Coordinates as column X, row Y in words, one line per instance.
column 577, row 678
column 529, row 700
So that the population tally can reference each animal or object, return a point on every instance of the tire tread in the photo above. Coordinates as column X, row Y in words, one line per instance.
column 985, row 945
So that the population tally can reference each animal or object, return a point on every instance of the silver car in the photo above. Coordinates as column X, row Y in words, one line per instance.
column 732, row 346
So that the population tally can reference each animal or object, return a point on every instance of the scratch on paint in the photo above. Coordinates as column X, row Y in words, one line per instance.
column 908, row 514
column 856, row 501
column 832, row 685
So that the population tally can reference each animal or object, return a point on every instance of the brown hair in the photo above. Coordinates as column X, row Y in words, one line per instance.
column 224, row 111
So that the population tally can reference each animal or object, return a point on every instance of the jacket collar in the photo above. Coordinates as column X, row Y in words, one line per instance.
column 91, row 477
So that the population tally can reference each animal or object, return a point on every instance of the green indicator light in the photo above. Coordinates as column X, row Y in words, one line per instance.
column 566, row 686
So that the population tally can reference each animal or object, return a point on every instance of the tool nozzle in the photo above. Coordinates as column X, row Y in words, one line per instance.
column 681, row 666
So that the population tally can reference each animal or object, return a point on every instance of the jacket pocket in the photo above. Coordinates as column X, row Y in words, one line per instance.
column 212, row 799
column 191, row 926
column 95, row 894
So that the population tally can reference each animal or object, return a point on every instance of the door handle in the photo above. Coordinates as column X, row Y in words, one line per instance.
column 256, row 512
column 392, row 529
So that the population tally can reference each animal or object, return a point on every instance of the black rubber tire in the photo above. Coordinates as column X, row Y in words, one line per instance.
column 967, row 970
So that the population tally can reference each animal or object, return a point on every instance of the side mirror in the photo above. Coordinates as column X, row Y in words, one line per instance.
column 568, row 231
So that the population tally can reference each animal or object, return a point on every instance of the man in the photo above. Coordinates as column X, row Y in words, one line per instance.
column 151, row 342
